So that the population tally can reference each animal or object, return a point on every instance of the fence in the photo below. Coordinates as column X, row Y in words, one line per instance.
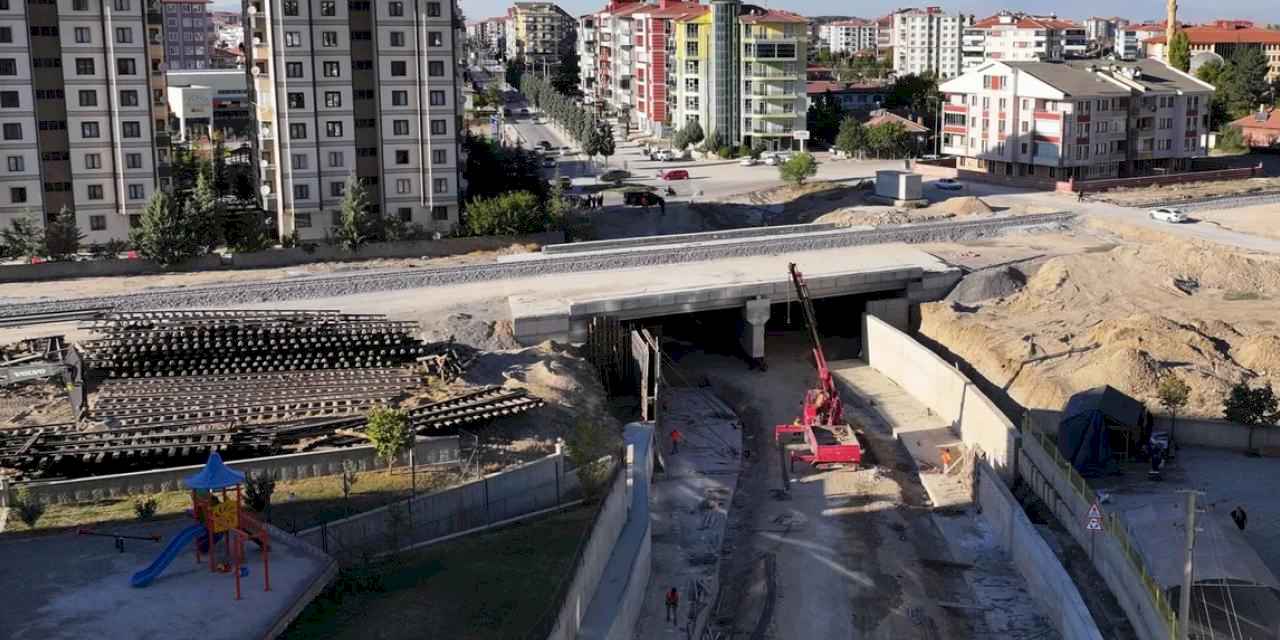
column 519, row 491
column 1116, row 558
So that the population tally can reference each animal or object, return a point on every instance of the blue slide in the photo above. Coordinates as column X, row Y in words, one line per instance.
column 184, row 537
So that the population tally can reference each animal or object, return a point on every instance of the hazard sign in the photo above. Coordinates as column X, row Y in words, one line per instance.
column 1094, row 522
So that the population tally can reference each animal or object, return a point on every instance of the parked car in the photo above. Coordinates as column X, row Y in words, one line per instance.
column 544, row 145
column 663, row 155
column 524, row 111
column 748, row 161
column 1168, row 214
column 615, row 175
column 674, row 174
column 549, row 162
column 772, row 159
column 949, row 184
column 640, row 198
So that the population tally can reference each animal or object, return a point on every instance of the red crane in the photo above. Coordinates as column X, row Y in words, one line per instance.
column 823, row 408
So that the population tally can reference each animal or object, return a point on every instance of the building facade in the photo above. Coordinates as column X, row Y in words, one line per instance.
column 365, row 89
column 82, row 112
column 1104, row 32
column 1019, row 37
column 489, row 33
column 535, row 30
column 851, row 36
column 928, row 40
column 188, row 33
column 1132, row 43
column 1079, row 120
column 1223, row 38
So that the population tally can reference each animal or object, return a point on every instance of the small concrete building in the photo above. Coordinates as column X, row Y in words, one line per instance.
column 209, row 99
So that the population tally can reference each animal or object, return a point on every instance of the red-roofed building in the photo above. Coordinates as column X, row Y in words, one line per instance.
column 1131, row 42
column 1017, row 37
column 1261, row 128
column 1223, row 37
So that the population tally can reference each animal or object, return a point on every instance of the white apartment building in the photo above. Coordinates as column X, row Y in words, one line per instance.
column 534, row 31
column 1104, row 31
column 82, row 112
column 928, row 40
column 850, row 36
column 586, row 49
column 1020, row 37
column 356, row 88
column 1131, row 43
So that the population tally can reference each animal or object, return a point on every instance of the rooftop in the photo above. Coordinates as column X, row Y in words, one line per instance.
column 1226, row 32
column 834, row 86
column 1261, row 119
column 771, row 16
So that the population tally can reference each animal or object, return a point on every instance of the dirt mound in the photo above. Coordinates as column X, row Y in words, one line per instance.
column 874, row 216
column 988, row 284
column 961, row 206
column 469, row 330
column 1261, row 353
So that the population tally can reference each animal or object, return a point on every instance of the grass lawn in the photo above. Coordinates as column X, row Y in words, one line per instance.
column 492, row 585
column 313, row 501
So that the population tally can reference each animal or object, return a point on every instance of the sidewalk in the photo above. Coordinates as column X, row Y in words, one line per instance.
column 689, row 510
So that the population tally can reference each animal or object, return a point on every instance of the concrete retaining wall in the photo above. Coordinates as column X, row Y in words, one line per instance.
column 633, row 599
column 943, row 389
column 272, row 258
column 435, row 450
column 1089, row 186
column 1198, row 432
column 1049, row 583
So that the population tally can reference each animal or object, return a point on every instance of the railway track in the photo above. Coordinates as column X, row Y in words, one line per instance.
column 48, row 317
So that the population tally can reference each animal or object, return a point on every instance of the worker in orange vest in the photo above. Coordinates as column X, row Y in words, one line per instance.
column 673, row 605
column 676, row 437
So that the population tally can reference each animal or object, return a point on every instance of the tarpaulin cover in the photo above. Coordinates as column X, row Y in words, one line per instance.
column 1082, row 434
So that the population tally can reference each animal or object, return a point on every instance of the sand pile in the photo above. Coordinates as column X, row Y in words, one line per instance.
column 961, row 206
column 878, row 216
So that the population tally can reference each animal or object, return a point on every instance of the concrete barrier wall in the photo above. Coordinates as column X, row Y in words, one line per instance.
column 1049, row 583
column 595, row 556
column 273, row 258
column 1198, row 432
column 633, row 597
column 943, row 389
column 435, row 450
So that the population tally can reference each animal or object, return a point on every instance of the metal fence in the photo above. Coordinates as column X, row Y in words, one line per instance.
column 1114, row 526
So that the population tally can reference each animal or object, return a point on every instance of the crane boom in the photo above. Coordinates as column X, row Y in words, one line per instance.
column 822, row 405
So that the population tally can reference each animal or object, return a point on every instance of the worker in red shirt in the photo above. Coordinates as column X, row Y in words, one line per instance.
column 673, row 605
column 676, row 437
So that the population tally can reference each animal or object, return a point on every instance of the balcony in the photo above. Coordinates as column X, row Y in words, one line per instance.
column 772, row 113
column 772, row 95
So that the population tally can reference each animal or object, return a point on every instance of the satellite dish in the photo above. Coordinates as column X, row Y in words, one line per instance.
column 1202, row 58
column 266, row 190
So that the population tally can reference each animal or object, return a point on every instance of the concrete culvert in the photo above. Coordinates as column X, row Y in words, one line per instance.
column 988, row 284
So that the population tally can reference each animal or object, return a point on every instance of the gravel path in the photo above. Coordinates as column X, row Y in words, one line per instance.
column 350, row 284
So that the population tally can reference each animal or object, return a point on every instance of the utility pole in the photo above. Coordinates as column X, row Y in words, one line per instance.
column 1184, row 604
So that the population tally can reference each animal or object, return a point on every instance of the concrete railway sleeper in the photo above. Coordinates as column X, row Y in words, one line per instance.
column 234, row 403
column 315, row 376
column 199, row 397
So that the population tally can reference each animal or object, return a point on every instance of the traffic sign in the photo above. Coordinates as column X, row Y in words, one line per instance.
column 1094, row 520
column 800, row 134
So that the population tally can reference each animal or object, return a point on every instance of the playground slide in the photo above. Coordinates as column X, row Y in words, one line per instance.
column 184, row 537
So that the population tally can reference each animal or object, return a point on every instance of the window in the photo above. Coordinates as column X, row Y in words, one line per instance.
column 297, row 131
column 439, row 213
column 404, row 185
column 6, row 34
column 97, row 223
column 302, row 220
column 333, row 99
column 402, row 156
column 333, row 129
column 399, row 98
column 440, row 185
column 126, row 66
column 437, row 98
column 290, row 7
column 298, row 161
column 17, row 194
column 129, row 98
column 435, row 68
column 8, row 99
column 89, row 130
column 297, row 100
column 84, row 66
column 95, row 192
column 329, row 38
column 83, row 35
column 439, row 156
column 329, row 8
column 397, row 38
column 395, row 9
column 131, row 129
column 93, row 160
column 79, row 5
column 438, row 127
column 336, row 159
column 405, row 214
column 292, row 39
column 336, row 189
column 122, row 5
column 435, row 39
column 8, row 67
column 398, row 127
column 133, row 160
column 137, row 192
column 301, row 192
column 398, row 68
column 332, row 69
column 124, row 35
column 88, row 98
column 433, row 9
column 15, row 164
column 293, row 69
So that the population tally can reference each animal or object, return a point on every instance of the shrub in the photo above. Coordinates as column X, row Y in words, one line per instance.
column 28, row 508
column 1231, row 139
column 725, row 151
column 388, row 429
column 349, row 478
column 258, row 488
column 799, row 168
column 586, row 445
column 145, row 508
column 507, row 214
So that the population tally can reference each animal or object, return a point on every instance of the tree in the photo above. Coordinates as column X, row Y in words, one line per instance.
column 1244, row 83
column 887, row 139
column 353, row 228
column 693, row 132
column 824, row 117
column 852, row 138
column 565, row 78
column 519, row 168
column 221, row 183
column 585, row 447
column 1231, row 139
column 1248, row 405
column 61, row 235
column 918, row 93
column 510, row 213
column 29, row 509
column 23, row 238
column 388, row 429
column 349, row 479
column 1180, row 51
column 798, row 168
column 167, row 234
column 1173, row 394
column 258, row 488
column 514, row 73
column 207, row 213
column 607, row 145
column 243, row 188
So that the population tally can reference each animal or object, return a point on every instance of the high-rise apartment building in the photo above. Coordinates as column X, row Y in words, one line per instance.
column 1011, row 36
column 188, row 33
column 928, row 40
column 365, row 89
column 83, row 119
column 489, row 33
column 1132, row 39
column 535, row 31
column 851, row 36
column 1104, row 32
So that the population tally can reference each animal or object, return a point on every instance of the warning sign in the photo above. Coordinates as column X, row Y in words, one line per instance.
column 1094, row 521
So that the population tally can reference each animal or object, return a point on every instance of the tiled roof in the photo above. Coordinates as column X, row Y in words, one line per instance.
column 887, row 117
column 1215, row 35
column 1270, row 120
column 823, row 86
column 1025, row 22
column 855, row 22
column 772, row 15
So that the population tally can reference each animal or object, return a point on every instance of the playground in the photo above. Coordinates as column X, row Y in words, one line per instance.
column 123, row 582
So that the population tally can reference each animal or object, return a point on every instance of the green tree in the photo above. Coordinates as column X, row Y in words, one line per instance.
column 565, row 79
column 28, row 508
column 1244, row 83
column 556, row 208
column 693, row 132
column 889, row 139
column 167, row 234
column 243, row 188
column 1173, row 394
column 258, row 488
column 916, row 92
column 514, row 73
column 607, row 146
column 512, row 213
column 62, row 236
column 798, row 168
column 1231, row 139
column 388, row 429
column 23, row 238
column 824, row 117
column 585, row 448
column 207, row 213
column 221, row 182
column 852, row 138
column 354, row 222
column 1250, row 405
column 1180, row 51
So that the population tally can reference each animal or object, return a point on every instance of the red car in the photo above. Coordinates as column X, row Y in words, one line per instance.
column 675, row 174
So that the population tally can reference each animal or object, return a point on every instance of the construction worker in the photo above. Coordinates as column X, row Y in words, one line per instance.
column 673, row 605
column 676, row 437
column 1240, row 517
column 946, row 459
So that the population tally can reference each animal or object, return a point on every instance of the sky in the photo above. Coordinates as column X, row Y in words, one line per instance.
column 1261, row 11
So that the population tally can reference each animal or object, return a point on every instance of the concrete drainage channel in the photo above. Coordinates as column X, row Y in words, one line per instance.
column 712, row 248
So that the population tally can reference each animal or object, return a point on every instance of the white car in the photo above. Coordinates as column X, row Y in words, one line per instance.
column 748, row 162
column 664, row 155
column 772, row 160
column 949, row 184
column 1166, row 214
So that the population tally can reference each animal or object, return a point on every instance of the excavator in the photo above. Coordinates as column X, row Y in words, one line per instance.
column 823, row 410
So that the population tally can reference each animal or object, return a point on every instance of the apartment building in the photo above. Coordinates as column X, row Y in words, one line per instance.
column 1223, row 37
column 1021, row 37
column 1104, row 31
column 188, row 33
column 535, row 30
column 654, row 80
column 489, row 33
column 884, row 34
column 851, row 36
column 1078, row 120
column 356, row 88
column 82, row 112
column 1133, row 38
column 586, row 47
column 928, row 40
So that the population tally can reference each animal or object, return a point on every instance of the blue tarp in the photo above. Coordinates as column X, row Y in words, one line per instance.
column 1083, row 434
column 215, row 475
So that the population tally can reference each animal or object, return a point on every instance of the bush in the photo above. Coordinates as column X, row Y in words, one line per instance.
column 507, row 214
column 1231, row 139
column 109, row 249
column 725, row 151
column 145, row 508
column 28, row 508
column 586, row 445
column 258, row 488
column 799, row 168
